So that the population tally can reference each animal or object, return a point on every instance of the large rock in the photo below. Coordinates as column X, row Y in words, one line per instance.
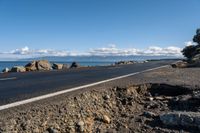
column 57, row 66
column 18, row 69
column 31, row 66
column 5, row 70
column 43, row 65
column 186, row 119
column 74, row 65
column 124, row 62
column 65, row 66
column 38, row 65
column 180, row 64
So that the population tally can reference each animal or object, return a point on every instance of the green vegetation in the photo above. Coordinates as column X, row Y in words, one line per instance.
column 192, row 52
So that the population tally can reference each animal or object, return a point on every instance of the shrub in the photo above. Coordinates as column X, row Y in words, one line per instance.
column 189, row 51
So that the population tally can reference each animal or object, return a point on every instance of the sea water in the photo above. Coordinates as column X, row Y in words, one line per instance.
column 10, row 64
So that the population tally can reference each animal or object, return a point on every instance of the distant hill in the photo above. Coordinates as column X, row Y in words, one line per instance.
column 98, row 58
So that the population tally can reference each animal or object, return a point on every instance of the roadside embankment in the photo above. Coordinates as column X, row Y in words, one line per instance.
column 147, row 102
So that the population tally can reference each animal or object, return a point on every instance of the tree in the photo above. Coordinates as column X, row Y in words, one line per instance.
column 191, row 51
column 197, row 37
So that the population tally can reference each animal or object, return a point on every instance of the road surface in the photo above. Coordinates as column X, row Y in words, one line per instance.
column 19, row 86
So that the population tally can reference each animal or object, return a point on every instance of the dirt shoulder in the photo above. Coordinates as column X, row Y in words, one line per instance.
column 131, row 104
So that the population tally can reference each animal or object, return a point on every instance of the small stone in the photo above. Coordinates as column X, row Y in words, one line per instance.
column 56, row 126
column 51, row 130
column 106, row 119
column 150, row 98
column 106, row 97
column 149, row 114
column 81, row 126
column 36, row 130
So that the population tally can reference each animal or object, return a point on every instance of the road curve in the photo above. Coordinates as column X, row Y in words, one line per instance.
column 19, row 86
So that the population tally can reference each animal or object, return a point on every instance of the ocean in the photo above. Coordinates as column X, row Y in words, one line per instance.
column 83, row 60
column 10, row 64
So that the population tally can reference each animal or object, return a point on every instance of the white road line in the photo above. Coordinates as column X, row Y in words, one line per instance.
column 3, row 79
column 70, row 90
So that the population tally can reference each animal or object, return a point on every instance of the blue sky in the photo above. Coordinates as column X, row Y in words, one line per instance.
column 82, row 25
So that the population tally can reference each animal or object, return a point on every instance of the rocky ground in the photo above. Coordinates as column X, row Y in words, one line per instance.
column 165, row 100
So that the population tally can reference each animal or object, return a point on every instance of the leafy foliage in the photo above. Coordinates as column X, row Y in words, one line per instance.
column 191, row 51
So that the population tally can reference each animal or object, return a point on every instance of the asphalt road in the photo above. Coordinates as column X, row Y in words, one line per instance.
column 20, row 86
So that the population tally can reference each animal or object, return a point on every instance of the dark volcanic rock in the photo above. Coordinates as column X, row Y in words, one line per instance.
column 74, row 65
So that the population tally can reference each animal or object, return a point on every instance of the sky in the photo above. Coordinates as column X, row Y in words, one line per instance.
column 96, row 27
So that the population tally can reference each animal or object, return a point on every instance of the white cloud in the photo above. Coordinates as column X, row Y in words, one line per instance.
column 111, row 50
column 189, row 43
column 22, row 51
column 37, row 52
column 151, row 51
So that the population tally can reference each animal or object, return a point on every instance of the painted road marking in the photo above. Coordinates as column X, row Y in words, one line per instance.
column 7, row 106
column 3, row 79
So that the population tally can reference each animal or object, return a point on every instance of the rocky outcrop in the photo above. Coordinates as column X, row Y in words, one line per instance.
column 18, row 69
column 57, row 66
column 41, row 65
column 124, row 62
column 38, row 65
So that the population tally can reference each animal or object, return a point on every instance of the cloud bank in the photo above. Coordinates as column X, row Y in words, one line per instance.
column 151, row 51
column 111, row 50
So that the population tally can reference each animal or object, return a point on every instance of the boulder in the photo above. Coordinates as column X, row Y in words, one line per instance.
column 65, row 66
column 5, row 70
column 57, row 66
column 124, row 62
column 18, row 69
column 74, row 65
column 186, row 119
column 43, row 65
column 31, row 66
column 180, row 64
